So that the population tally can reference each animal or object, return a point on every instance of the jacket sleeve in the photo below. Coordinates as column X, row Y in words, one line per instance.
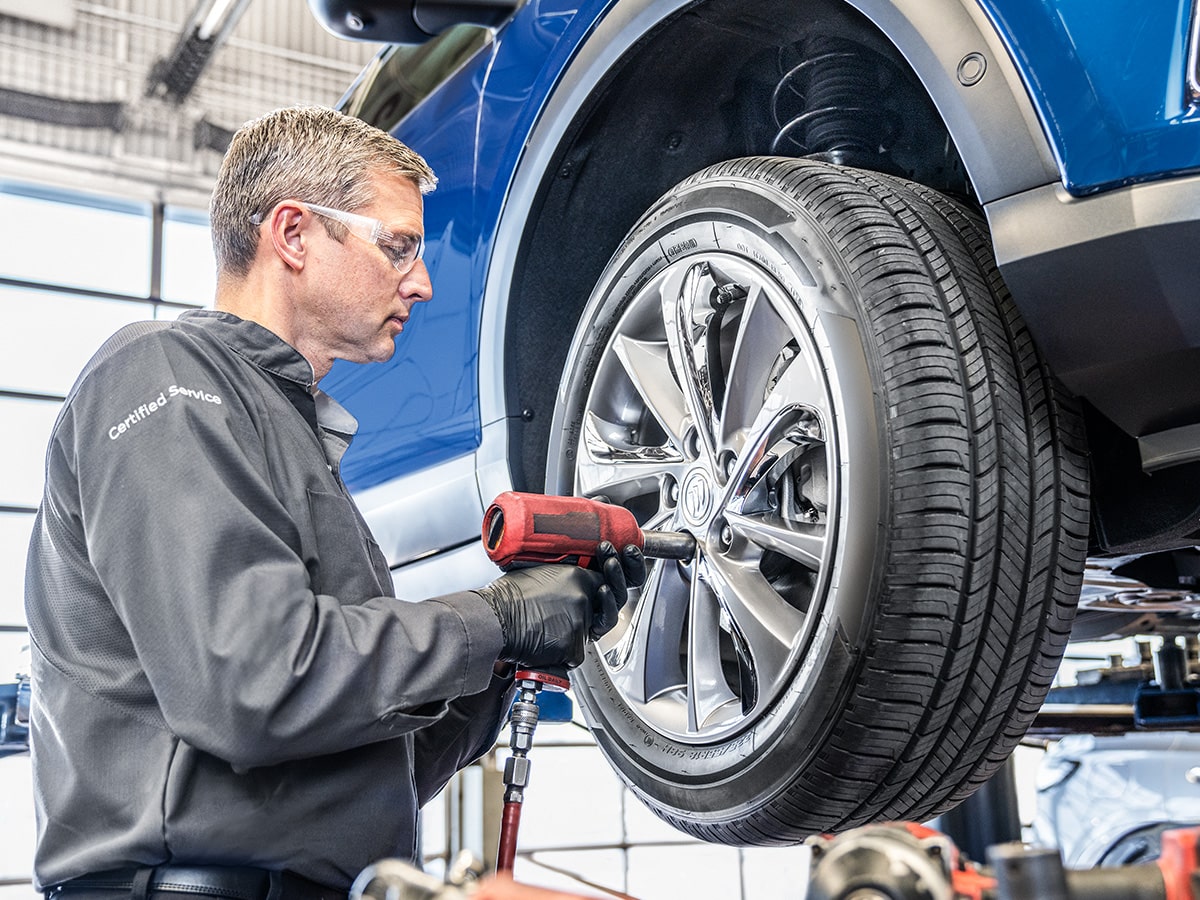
column 467, row 731
column 199, row 558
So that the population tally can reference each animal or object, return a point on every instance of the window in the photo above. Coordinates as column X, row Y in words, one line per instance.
column 14, row 538
column 189, row 268
column 404, row 75
column 47, row 337
column 75, row 240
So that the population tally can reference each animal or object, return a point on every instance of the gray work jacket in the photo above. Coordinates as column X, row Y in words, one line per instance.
column 221, row 673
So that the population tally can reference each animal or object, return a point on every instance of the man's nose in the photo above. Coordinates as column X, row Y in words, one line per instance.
column 415, row 285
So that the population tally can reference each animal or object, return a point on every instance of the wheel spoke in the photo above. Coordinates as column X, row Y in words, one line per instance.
column 801, row 383
column 644, row 660
column 800, row 541
column 768, row 626
column 687, row 341
column 707, row 689
column 760, row 328
column 649, row 369
column 775, row 440
column 791, row 420
column 617, row 472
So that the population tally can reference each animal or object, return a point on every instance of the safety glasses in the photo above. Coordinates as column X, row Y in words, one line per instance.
column 402, row 250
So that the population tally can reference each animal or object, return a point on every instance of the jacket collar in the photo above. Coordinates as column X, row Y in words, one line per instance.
column 255, row 343
column 263, row 348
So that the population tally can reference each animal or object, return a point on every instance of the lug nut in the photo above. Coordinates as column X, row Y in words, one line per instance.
column 671, row 492
column 726, row 464
column 726, row 536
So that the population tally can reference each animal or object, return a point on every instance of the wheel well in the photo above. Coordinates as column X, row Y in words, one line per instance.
column 1134, row 511
column 721, row 79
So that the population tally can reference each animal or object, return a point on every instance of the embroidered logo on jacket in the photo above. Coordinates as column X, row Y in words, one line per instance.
column 152, row 406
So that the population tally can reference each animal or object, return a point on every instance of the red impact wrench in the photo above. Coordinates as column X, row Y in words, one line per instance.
column 536, row 528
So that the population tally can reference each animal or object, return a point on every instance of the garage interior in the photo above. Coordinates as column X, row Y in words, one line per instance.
column 114, row 115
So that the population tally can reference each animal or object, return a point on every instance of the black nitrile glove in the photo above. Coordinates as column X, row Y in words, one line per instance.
column 620, row 571
column 547, row 613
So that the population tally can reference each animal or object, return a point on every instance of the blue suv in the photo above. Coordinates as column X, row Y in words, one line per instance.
column 890, row 303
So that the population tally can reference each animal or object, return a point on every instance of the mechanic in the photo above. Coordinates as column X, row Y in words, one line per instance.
column 229, row 701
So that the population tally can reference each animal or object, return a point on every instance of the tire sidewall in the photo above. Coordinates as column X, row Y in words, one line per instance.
column 768, row 227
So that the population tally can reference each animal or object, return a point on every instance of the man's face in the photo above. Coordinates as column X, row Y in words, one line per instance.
column 361, row 302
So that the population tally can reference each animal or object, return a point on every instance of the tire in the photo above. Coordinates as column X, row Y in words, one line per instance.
column 818, row 372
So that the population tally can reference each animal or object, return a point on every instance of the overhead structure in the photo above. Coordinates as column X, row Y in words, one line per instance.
column 205, row 30
column 117, row 97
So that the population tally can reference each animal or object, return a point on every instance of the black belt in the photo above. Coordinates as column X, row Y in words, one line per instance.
column 225, row 882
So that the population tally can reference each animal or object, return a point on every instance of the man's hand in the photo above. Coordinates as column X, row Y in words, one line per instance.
column 548, row 613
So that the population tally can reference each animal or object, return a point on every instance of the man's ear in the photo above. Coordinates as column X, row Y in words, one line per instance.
column 286, row 229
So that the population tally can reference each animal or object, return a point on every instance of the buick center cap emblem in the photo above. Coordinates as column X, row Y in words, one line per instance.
column 696, row 496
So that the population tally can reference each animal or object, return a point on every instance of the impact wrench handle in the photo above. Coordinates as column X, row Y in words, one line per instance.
column 524, row 719
column 539, row 528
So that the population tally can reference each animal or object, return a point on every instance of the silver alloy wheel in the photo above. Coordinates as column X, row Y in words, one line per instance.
column 710, row 413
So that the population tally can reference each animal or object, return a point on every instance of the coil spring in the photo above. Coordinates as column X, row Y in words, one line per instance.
column 829, row 102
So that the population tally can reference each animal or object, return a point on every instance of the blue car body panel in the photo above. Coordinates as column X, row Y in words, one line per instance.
column 1112, row 102
column 421, row 408
column 1113, row 99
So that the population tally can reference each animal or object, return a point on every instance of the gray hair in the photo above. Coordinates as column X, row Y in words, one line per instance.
column 305, row 153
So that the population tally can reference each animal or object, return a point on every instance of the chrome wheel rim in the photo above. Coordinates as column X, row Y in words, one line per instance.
column 711, row 413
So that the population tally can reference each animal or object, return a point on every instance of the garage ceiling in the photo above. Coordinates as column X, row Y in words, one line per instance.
column 138, row 97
